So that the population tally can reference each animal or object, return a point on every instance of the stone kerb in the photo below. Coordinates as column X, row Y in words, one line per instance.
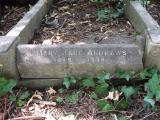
column 7, row 56
column 145, row 24
column 21, row 33
column 49, row 61
column 139, row 17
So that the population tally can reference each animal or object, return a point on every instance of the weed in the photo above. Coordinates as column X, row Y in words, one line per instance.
column 6, row 85
column 114, row 98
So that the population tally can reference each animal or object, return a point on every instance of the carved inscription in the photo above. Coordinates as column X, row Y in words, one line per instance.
column 79, row 56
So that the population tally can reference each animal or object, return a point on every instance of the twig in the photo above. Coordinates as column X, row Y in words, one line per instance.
column 45, row 102
column 147, row 116
column 13, row 104
column 8, row 14
column 119, row 102
column 112, row 111
column 61, row 26
column 77, row 115
column 98, row 41
column 28, row 117
column 5, row 107
column 115, row 117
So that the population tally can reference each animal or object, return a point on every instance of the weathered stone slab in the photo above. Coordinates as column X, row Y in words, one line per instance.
column 114, row 38
column 7, row 56
column 40, row 83
column 22, row 32
column 139, row 17
column 118, row 39
column 144, row 23
column 152, row 49
column 39, row 61
column 30, row 22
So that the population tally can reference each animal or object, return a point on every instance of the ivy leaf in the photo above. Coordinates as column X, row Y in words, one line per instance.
column 61, row 90
column 13, row 98
column 153, row 87
column 94, row 96
column 103, row 77
column 144, row 74
column 6, row 85
column 72, row 80
column 72, row 98
column 21, row 102
column 122, row 118
column 66, row 82
column 25, row 95
column 59, row 99
column 115, row 15
column 149, row 102
column 94, row 1
column 128, row 91
column 104, row 105
column 102, row 89
column 123, row 104
column 124, row 74
column 153, row 70
column 103, row 15
column 157, row 95
column 88, row 82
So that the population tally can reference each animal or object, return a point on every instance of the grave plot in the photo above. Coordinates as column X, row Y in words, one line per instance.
column 72, row 41
column 79, row 23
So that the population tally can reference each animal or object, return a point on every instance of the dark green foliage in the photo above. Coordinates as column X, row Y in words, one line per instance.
column 68, row 81
column 93, row 95
column 125, row 74
column 22, row 98
column 101, row 89
column 6, row 85
column 88, row 82
column 122, row 105
column 109, row 97
column 59, row 99
column 72, row 98
column 103, row 77
column 104, row 105
column 128, row 91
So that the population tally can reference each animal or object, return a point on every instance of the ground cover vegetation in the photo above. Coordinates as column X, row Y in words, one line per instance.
column 135, row 94
column 120, row 96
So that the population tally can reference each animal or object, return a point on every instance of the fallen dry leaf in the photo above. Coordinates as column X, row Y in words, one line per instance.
column 114, row 95
column 69, row 117
column 63, row 8
column 51, row 91
column 35, row 96
column 1, row 116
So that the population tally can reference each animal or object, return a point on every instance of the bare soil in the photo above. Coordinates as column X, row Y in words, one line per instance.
column 10, row 17
column 74, row 23
column 154, row 10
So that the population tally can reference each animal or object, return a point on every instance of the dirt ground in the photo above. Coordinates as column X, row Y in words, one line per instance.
column 42, row 106
column 10, row 17
column 74, row 23
column 154, row 10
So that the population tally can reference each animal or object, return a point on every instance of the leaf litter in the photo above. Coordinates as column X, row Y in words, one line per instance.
column 80, row 106
column 78, row 23
column 10, row 17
